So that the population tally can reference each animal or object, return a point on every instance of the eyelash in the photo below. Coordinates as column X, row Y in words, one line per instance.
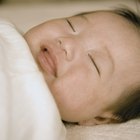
column 94, row 63
column 70, row 24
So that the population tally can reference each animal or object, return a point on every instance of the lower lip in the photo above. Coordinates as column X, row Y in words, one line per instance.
column 44, row 63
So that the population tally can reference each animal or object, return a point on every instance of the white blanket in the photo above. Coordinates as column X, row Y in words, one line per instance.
column 27, row 108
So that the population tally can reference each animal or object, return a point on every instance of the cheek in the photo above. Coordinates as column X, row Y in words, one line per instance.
column 73, row 93
column 67, row 88
column 33, row 39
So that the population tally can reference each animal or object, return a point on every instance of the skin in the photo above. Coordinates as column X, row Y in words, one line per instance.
column 88, row 61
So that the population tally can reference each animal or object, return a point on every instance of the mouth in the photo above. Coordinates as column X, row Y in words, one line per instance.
column 47, row 61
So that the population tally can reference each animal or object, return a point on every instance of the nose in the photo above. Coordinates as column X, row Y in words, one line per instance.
column 68, row 46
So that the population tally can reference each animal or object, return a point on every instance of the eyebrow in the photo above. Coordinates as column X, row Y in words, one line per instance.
column 110, row 57
column 70, row 25
column 82, row 15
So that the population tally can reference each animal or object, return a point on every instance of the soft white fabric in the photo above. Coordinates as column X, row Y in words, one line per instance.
column 27, row 109
column 124, row 131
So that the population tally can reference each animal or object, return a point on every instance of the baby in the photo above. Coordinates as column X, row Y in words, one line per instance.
column 91, row 63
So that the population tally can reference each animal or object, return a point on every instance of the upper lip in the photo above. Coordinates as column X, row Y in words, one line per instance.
column 52, row 56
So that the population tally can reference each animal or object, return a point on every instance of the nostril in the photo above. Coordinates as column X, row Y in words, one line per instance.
column 65, row 44
column 61, row 46
column 59, row 42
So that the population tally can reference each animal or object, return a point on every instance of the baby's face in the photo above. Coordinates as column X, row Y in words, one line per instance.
column 87, row 61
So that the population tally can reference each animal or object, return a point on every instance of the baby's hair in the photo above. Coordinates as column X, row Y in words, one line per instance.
column 128, row 107
column 130, row 15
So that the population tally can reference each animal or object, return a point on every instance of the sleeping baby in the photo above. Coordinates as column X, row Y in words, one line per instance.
column 91, row 64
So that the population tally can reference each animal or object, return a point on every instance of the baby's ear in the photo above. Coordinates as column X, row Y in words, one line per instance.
column 105, row 118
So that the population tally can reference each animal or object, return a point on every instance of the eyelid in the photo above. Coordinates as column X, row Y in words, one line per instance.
column 91, row 58
column 70, row 24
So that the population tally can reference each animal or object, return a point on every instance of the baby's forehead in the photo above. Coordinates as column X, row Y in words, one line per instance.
column 105, row 18
column 127, row 14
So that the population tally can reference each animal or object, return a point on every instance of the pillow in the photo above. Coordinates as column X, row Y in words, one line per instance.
column 124, row 131
column 27, row 108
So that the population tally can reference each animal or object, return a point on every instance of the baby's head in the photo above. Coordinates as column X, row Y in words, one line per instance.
column 91, row 63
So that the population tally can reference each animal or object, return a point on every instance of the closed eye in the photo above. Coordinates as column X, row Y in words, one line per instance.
column 71, row 26
column 91, row 58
